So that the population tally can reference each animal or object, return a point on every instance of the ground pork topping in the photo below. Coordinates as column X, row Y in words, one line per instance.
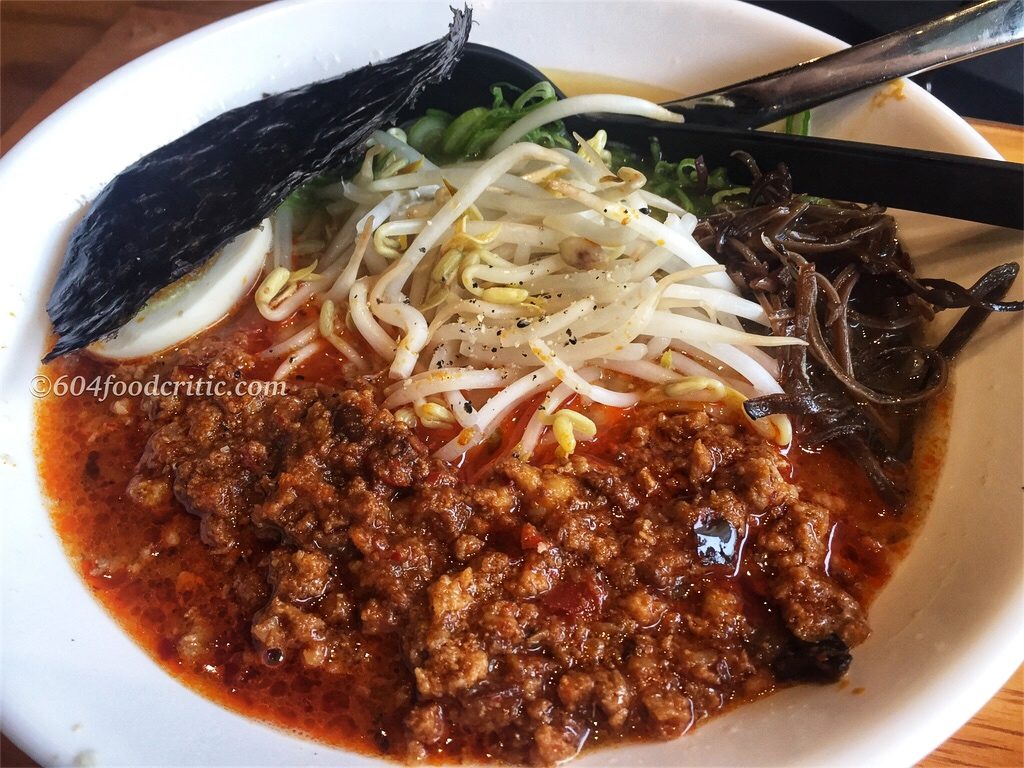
column 639, row 589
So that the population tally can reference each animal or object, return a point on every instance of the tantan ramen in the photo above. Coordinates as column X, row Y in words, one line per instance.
column 575, row 447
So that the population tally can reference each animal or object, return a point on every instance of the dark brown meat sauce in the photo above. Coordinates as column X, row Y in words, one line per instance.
column 627, row 593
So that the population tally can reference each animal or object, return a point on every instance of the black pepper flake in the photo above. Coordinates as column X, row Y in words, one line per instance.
column 494, row 349
column 572, row 340
column 522, row 323
column 424, row 250
column 467, row 407
column 645, row 211
column 499, row 332
column 568, row 331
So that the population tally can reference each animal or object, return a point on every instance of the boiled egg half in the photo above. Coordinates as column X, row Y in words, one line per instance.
column 193, row 303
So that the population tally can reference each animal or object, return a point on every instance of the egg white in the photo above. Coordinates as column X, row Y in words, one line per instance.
column 193, row 303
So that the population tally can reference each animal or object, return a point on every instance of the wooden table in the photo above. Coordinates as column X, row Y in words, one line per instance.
column 53, row 50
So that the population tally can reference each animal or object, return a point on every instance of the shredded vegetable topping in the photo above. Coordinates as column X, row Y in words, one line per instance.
column 481, row 286
column 534, row 268
column 447, row 138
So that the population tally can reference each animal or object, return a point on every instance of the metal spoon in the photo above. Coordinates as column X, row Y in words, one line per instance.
column 978, row 29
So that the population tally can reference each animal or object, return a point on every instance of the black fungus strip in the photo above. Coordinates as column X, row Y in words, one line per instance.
column 835, row 275
column 991, row 287
column 168, row 213
column 702, row 175
column 792, row 405
column 949, row 295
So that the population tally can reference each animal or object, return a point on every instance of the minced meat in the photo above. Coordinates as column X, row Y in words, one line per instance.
column 630, row 591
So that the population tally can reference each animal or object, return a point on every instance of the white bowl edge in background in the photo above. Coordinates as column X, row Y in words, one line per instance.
column 64, row 662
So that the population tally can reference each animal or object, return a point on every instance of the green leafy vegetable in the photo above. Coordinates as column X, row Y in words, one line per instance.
column 446, row 138
column 799, row 124
column 690, row 184
column 307, row 197
column 427, row 133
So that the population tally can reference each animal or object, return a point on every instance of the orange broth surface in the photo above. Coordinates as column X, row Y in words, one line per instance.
column 88, row 451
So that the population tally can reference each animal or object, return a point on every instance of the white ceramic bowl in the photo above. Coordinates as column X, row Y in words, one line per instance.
column 949, row 628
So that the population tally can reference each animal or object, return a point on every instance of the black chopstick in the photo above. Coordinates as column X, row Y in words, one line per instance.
column 986, row 191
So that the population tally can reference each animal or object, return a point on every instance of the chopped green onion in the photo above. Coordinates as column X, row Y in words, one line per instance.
column 307, row 197
column 458, row 134
column 426, row 134
column 480, row 141
column 539, row 94
column 446, row 139
column 799, row 124
column 724, row 193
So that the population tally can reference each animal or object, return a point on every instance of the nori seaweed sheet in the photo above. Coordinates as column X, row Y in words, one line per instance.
column 168, row 213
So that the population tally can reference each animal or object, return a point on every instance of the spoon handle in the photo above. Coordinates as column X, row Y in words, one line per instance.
column 978, row 29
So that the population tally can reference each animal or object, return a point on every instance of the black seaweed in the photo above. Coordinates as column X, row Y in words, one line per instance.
column 168, row 213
